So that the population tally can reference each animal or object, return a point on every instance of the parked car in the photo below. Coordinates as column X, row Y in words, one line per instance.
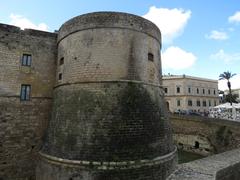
column 180, row 112
column 194, row 114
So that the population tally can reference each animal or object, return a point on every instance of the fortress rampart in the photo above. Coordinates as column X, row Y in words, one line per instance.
column 96, row 85
column 108, row 116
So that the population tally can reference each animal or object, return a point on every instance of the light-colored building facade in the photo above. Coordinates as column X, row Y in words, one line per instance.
column 184, row 92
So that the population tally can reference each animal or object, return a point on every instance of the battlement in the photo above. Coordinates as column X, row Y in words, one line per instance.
column 109, row 20
column 32, row 32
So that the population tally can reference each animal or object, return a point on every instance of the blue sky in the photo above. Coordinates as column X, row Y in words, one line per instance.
column 200, row 38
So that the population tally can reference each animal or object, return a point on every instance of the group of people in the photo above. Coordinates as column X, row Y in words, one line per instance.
column 226, row 111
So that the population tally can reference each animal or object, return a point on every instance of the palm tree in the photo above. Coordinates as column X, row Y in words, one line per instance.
column 227, row 75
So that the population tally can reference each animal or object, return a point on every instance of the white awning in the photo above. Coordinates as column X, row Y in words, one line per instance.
column 227, row 106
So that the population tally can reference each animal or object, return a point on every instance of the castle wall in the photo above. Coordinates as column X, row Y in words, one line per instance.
column 108, row 102
column 108, row 116
column 211, row 135
column 22, row 123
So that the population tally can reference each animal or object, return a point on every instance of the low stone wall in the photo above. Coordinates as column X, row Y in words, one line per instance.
column 224, row 166
column 205, row 136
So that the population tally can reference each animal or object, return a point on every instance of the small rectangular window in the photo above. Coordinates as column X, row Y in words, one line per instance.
column 189, row 90
column 166, row 90
column 198, row 103
column 61, row 61
column 203, row 91
column 214, row 92
column 150, row 57
column 209, row 103
column 60, row 76
column 178, row 103
column 209, row 92
column 197, row 91
column 204, row 103
column 26, row 60
column 189, row 102
column 178, row 89
column 25, row 92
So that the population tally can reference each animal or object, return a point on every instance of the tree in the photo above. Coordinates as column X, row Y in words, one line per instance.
column 227, row 76
column 232, row 98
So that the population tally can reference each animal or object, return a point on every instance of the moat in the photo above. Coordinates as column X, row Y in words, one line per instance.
column 184, row 157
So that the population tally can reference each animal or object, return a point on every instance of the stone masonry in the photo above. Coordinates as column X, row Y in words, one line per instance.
column 97, row 86
column 225, row 166
column 100, row 79
column 205, row 136
column 108, row 117
column 23, row 123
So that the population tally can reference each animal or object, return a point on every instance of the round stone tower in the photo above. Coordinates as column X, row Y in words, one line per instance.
column 108, row 119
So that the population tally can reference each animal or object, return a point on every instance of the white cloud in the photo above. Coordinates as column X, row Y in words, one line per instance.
column 217, row 35
column 234, row 18
column 24, row 23
column 176, row 58
column 227, row 58
column 171, row 22
column 235, row 83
